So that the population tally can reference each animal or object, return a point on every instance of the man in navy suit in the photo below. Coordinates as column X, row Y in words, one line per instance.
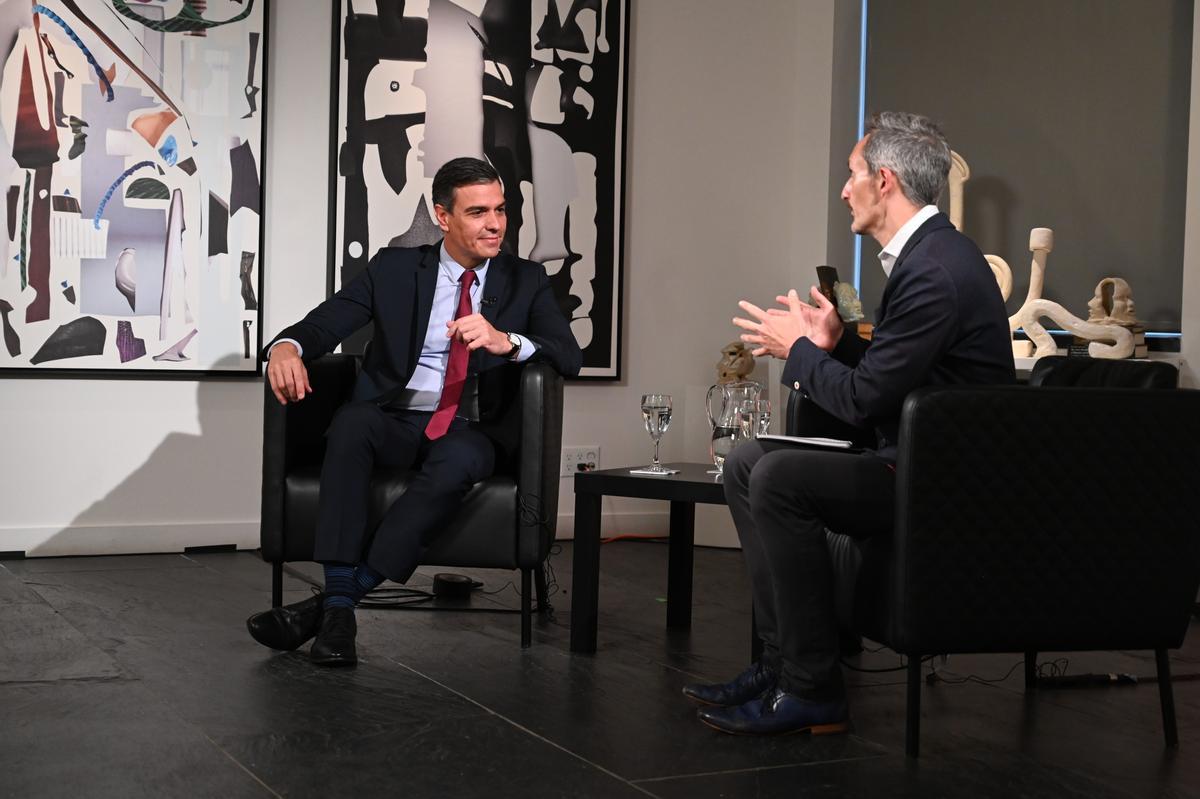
column 941, row 321
column 450, row 321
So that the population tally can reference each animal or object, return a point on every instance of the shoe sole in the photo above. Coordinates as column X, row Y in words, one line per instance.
column 813, row 729
column 339, row 661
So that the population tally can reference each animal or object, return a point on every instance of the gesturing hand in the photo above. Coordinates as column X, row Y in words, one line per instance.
column 775, row 330
column 287, row 373
column 477, row 332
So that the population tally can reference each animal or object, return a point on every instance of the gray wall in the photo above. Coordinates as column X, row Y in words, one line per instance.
column 1072, row 114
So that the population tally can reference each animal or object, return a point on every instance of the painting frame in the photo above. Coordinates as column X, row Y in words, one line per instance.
column 183, row 107
column 518, row 45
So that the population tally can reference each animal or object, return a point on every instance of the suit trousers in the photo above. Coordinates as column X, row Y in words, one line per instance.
column 796, row 510
column 364, row 436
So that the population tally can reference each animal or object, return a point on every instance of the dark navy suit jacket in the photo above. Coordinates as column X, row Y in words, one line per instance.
column 942, row 320
column 395, row 293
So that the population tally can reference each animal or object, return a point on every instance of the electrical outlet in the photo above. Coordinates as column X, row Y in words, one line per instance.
column 580, row 459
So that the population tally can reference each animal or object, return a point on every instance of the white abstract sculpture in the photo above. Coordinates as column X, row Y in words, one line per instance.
column 1032, row 311
column 960, row 173
column 1041, row 242
column 1112, row 304
column 1102, row 324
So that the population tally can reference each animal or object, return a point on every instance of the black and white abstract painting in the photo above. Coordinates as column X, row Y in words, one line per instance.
column 535, row 87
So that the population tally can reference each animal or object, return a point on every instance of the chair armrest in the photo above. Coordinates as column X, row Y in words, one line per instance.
column 537, row 467
column 1045, row 518
column 803, row 417
column 294, row 434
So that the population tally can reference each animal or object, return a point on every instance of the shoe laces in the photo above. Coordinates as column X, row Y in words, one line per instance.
column 339, row 623
column 772, row 676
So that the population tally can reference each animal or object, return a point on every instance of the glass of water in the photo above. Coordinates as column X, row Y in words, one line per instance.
column 756, row 414
column 656, row 415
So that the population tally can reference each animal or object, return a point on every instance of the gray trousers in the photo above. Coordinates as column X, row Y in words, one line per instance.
column 800, row 513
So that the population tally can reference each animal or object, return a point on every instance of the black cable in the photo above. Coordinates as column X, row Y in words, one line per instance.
column 415, row 598
column 937, row 677
column 901, row 667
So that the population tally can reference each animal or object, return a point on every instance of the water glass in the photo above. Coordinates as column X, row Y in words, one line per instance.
column 656, row 416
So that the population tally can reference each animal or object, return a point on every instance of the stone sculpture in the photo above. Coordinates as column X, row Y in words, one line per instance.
column 736, row 363
column 1124, row 337
column 960, row 173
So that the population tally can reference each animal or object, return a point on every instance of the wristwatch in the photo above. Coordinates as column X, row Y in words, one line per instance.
column 515, row 340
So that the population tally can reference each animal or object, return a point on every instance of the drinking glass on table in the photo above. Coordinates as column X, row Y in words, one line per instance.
column 757, row 413
column 656, row 415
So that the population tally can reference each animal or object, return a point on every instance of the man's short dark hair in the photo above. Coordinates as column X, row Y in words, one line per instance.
column 914, row 148
column 460, row 172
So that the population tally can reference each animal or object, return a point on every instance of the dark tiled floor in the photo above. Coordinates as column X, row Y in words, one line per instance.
column 134, row 676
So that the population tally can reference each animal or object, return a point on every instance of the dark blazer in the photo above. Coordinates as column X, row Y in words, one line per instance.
column 395, row 293
column 942, row 320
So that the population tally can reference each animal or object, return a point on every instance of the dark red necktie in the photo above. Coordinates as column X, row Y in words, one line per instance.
column 456, row 368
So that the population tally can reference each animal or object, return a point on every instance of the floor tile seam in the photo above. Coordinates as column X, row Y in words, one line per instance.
column 86, row 638
column 522, row 728
column 241, row 766
column 778, row 767
column 122, row 678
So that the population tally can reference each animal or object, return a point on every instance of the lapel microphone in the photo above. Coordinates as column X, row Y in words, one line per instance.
column 488, row 301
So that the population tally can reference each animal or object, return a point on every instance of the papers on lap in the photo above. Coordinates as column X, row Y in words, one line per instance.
column 812, row 441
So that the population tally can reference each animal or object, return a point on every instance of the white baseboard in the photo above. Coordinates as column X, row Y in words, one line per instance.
column 126, row 539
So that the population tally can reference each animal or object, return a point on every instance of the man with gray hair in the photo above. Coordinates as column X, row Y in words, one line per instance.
column 941, row 321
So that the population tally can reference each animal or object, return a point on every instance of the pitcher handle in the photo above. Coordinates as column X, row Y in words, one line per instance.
column 712, row 419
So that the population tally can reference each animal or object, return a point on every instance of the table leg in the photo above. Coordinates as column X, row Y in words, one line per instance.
column 679, row 564
column 585, row 573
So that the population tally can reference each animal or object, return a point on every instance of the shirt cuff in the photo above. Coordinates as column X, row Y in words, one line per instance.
column 528, row 348
column 291, row 341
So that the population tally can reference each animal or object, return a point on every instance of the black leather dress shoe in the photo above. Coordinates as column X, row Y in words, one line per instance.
column 335, row 640
column 748, row 685
column 779, row 713
column 289, row 626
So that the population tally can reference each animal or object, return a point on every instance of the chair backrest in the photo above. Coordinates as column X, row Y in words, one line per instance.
column 1057, row 370
column 1045, row 518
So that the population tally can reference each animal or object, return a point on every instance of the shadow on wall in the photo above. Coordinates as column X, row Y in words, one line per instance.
column 194, row 489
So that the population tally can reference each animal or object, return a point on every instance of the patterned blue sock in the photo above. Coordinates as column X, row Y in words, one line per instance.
column 341, row 589
column 367, row 580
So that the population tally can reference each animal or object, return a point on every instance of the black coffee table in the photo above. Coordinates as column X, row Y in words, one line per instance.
column 683, row 490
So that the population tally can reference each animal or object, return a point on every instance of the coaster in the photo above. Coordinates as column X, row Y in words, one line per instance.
column 646, row 470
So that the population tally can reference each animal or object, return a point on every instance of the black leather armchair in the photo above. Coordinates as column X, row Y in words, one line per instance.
column 506, row 522
column 1039, row 518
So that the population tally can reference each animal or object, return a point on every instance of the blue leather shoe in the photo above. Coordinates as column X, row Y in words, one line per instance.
column 750, row 684
column 779, row 713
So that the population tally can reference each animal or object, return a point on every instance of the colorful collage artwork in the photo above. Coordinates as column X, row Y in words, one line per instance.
column 536, row 87
column 131, row 139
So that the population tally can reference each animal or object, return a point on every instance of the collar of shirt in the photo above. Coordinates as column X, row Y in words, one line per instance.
column 892, row 250
column 454, row 270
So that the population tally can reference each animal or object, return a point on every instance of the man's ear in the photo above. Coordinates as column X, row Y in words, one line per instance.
column 888, row 182
column 442, row 216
